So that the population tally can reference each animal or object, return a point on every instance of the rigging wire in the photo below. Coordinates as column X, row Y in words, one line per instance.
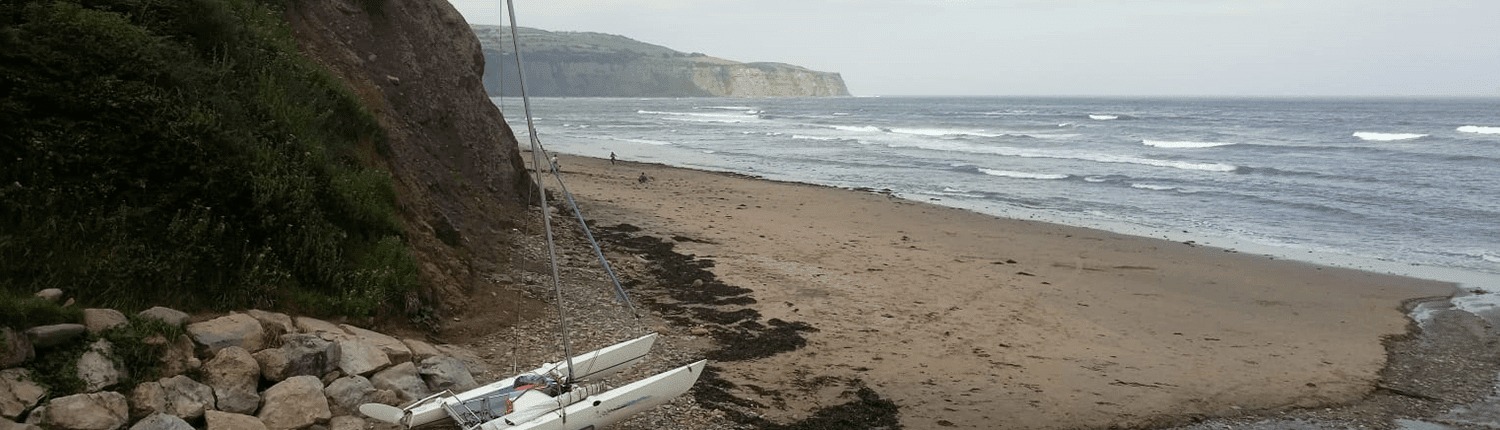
column 536, row 151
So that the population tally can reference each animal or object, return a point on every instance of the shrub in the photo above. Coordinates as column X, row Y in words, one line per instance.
column 182, row 152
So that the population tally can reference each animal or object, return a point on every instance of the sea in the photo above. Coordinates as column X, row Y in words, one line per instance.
column 1407, row 186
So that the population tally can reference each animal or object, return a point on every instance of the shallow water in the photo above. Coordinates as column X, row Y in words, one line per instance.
column 1393, row 185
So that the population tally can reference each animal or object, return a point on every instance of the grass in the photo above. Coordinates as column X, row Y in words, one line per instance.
column 183, row 153
column 138, row 359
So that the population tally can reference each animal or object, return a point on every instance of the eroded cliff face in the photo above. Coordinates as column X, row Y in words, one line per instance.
column 571, row 64
column 458, row 173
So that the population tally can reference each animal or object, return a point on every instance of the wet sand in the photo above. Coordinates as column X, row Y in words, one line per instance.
column 969, row 320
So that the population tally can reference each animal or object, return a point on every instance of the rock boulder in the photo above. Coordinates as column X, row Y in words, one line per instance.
column 161, row 422
column 18, row 393
column 170, row 316
column 239, row 330
column 92, row 411
column 217, row 420
column 295, row 403
column 446, row 373
column 97, row 320
column 97, row 368
column 15, row 348
column 234, row 375
column 48, row 336
column 404, row 380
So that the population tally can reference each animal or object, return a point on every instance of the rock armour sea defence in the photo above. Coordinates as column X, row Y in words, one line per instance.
column 306, row 384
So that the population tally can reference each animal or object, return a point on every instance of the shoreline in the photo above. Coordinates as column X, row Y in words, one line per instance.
column 964, row 318
column 1466, row 279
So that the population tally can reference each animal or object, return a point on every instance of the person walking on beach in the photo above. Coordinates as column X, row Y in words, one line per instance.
column 611, row 158
column 555, row 166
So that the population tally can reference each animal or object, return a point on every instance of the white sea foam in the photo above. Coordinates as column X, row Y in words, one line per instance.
column 936, row 132
column 1021, row 175
column 1153, row 187
column 840, row 114
column 1183, row 144
column 1103, row 117
column 1094, row 179
column 961, row 146
column 1479, row 129
column 1184, row 165
column 644, row 141
column 698, row 116
column 861, row 128
column 805, row 137
column 1386, row 137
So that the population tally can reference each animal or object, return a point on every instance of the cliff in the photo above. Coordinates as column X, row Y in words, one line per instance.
column 456, row 166
column 576, row 64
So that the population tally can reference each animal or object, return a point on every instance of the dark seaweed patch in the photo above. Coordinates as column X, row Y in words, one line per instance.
column 697, row 297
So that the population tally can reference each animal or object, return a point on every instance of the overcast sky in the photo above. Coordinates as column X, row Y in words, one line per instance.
column 1071, row 47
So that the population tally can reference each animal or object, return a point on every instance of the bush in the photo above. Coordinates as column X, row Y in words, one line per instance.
column 181, row 152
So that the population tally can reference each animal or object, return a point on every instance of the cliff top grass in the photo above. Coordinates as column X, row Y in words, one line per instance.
column 183, row 153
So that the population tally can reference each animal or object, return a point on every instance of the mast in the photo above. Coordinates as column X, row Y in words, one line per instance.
column 537, row 161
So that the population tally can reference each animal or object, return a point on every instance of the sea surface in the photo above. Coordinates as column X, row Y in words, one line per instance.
column 1395, row 185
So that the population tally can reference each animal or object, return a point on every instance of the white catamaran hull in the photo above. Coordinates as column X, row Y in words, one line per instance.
column 596, row 364
column 605, row 408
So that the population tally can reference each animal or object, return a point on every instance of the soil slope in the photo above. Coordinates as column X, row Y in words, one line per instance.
column 418, row 67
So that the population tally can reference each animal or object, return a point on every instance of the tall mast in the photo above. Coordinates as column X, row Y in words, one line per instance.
column 537, row 161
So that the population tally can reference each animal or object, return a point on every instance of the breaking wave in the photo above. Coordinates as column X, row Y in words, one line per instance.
column 1153, row 187
column 1170, row 144
column 1021, row 175
column 1387, row 137
column 1479, row 129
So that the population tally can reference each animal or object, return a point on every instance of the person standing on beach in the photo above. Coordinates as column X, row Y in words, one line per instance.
column 556, row 166
column 611, row 158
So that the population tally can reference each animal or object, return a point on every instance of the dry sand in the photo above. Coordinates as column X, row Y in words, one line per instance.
column 970, row 320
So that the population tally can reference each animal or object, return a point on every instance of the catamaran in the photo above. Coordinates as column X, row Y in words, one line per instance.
column 540, row 400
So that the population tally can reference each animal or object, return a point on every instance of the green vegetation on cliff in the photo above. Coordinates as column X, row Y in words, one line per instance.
column 182, row 152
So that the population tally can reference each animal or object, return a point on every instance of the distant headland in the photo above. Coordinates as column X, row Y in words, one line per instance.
column 581, row 64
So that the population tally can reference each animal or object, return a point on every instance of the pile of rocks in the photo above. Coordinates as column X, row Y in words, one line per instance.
column 314, row 373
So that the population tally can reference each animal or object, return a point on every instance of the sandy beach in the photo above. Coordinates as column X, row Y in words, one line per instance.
column 969, row 320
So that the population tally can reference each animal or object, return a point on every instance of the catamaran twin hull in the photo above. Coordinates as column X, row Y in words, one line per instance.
column 534, row 403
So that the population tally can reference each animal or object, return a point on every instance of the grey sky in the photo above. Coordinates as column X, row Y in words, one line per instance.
column 1071, row 47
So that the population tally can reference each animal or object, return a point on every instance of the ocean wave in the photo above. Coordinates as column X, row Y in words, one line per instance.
column 938, row 132
column 1153, row 187
column 1021, row 175
column 1183, row 144
column 643, row 141
column 1098, row 117
column 821, row 138
column 955, row 192
column 1094, row 179
column 1479, row 129
column 861, row 128
column 1183, row 165
column 699, row 116
column 744, row 108
column 965, row 147
column 1386, row 137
